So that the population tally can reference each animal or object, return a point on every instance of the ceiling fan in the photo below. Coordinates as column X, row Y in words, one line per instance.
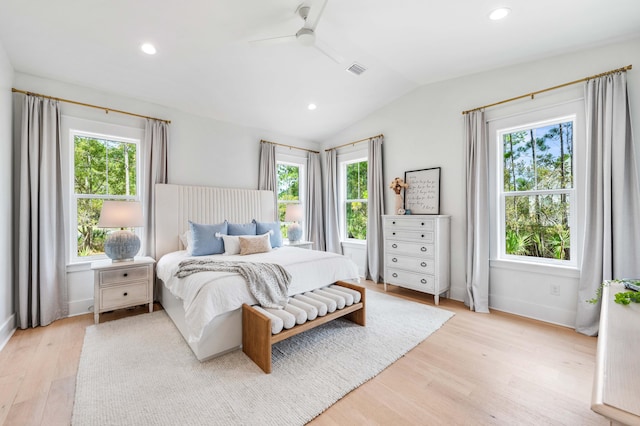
column 306, row 35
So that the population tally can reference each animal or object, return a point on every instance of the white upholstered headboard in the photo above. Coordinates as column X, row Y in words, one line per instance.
column 177, row 204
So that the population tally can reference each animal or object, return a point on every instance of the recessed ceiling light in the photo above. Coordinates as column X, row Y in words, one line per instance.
column 499, row 13
column 148, row 48
column 311, row 107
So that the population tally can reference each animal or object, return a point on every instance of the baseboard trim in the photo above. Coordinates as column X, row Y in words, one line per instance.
column 7, row 330
column 80, row 307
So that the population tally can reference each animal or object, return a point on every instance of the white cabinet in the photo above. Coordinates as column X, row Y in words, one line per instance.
column 416, row 253
column 122, row 284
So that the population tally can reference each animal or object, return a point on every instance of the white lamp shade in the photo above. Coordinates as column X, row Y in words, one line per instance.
column 293, row 213
column 121, row 214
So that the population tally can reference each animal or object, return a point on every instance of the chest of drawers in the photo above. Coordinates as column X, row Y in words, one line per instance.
column 416, row 253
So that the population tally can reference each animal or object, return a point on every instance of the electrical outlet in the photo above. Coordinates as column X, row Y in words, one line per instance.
column 555, row 289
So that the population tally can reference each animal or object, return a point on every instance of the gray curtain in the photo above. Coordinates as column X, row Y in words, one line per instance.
column 267, row 173
column 611, row 248
column 314, row 223
column 154, row 157
column 477, row 212
column 374, row 266
column 40, row 266
column 332, row 227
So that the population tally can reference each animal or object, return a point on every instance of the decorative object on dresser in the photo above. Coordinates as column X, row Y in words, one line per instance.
column 294, row 214
column 416, row 253
column 423, row 194
column 122, row 284
column 397, row 184
column 121, row 245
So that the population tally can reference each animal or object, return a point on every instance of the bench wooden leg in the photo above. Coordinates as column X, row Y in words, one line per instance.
column 256, row 337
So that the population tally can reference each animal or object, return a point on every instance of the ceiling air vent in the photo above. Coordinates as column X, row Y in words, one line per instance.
column 356, row 69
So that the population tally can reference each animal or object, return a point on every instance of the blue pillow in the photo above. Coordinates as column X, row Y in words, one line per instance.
column 204, row 238
column 275, row 237
column 242, row 228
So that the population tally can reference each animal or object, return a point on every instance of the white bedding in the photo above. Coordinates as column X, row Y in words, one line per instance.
column 206, row 295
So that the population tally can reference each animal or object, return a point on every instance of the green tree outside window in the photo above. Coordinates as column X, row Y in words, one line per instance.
column 356, row 200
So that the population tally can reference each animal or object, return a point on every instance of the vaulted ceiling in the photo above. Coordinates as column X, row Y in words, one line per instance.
column 206, row 65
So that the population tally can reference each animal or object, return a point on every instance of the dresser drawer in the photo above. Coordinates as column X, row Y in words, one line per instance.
column 124, row 295
column 411, row 264
column 415, row 223
column 124, row 275
column 421, row 282
column 415, row 249
column 405, row 234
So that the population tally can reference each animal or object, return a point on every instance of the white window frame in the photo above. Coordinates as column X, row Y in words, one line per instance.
column 343, row 161
column 80, row 127
column 301, row 163
column 569, row 111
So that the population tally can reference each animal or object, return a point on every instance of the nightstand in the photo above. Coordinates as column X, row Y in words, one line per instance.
column 119, row 285
column 300, row 244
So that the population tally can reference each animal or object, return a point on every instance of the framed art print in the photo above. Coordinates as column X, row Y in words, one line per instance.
column 423, row 194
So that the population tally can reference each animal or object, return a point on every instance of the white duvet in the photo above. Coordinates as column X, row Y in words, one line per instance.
column 206, row 295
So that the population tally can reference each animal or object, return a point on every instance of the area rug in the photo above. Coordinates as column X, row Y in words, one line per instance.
column 139, row 370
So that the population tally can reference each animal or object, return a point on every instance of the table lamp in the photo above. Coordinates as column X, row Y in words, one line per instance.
column 294, row 214
column 122, row 245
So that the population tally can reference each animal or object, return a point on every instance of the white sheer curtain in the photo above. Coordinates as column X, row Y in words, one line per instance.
column 374, row 267
column 477, row 212
column 612, row 218
column 267, row 173
column 332, row 227
column 154, row 157
column 314, row 223
column 40, row 271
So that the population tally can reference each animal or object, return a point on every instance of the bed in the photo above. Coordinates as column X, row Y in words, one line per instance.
column 207, row 307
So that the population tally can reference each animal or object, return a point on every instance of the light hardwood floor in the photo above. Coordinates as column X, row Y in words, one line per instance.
column 478, row 369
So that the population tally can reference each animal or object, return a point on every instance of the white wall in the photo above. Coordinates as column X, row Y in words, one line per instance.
column 201, row 151
column 7, row 318
column 425, row 129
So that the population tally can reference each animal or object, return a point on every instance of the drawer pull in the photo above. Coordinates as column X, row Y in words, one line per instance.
column 394, row 259
column 423, row 281
column 423, row 249
column 423, row 264
column 125, row 294
column 395, row 275
column 394, row 233
column 394, row 222
column 422, row 235
column 422, row 224
column 125, row 274
column 394, row 245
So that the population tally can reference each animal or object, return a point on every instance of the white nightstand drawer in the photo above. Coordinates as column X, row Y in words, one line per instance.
column 420, row 282
column 414, row 249
column 124, row 295
column 124, row 275
column 411, row 263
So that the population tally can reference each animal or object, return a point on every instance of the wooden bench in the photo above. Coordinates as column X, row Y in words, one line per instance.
column 256, row 327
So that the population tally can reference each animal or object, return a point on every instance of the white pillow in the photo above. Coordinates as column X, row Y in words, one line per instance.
column 231, row 244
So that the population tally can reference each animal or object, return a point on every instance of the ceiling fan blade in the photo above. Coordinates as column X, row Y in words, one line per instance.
column 315, row 12
column 273, row 40
column 329, row 52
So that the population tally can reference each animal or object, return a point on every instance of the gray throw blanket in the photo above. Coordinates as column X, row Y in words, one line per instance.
column 268, row 282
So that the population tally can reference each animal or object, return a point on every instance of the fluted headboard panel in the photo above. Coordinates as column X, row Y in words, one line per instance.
column 176, row 205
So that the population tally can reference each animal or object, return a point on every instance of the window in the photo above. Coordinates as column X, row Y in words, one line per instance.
column 354, row 210
column 289, row 189
column 104, row 168
column 536, row 195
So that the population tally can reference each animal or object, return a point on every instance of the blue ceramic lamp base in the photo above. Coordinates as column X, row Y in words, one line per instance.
column 122, row 246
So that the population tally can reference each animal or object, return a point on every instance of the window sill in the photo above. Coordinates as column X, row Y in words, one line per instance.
column 538, row 268
column 354, row 243
column 79, row 266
